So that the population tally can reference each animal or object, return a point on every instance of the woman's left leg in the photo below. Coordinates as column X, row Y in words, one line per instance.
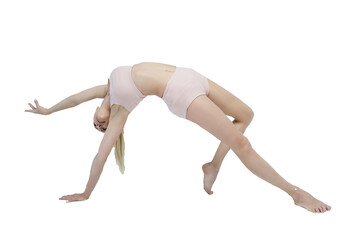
column 207, row 115
column 242, row 114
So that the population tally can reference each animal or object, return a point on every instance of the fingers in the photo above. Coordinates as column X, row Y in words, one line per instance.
column 32, row 106
column 73, row 198
column 64, row 197
column 69, row 198
column 34, row 109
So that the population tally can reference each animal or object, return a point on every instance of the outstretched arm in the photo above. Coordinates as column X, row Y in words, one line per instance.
column 117, row 121
column 72, row 101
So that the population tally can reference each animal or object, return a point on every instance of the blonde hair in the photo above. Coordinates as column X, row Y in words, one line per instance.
column 120, row 152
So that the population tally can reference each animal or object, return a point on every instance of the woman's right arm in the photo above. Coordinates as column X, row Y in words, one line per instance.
column 117, row 121
column 72, row 101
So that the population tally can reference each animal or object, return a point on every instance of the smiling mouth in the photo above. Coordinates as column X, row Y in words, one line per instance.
column 100, row 122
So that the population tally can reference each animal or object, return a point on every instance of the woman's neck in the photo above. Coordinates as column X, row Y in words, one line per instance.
column 106, row 102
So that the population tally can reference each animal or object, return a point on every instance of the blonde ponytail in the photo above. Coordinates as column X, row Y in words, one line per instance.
column 120, row 152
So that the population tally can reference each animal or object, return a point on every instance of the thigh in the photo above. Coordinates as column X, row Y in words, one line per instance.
column 210, row 117
column 229, row 103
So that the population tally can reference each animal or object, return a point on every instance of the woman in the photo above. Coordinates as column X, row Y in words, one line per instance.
column 189, row 95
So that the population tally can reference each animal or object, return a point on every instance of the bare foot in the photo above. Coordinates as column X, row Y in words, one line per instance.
column 305, row 200
column 210, row 174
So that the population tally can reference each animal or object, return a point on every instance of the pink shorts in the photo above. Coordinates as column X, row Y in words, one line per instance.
column 183, row 87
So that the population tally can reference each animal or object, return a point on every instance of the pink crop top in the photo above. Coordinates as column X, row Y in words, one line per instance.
column 123, row 90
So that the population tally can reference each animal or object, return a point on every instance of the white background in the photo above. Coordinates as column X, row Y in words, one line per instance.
column 296, row 63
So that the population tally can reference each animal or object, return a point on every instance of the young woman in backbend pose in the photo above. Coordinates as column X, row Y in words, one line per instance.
column 188, row 95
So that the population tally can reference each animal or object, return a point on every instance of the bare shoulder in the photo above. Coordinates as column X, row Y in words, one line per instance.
column 118, row 112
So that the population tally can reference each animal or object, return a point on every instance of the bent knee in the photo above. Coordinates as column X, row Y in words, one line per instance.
column 250, row 115
column 240, row 142
column 245, row 116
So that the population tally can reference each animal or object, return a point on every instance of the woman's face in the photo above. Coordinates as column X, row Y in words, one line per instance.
column 101, row 119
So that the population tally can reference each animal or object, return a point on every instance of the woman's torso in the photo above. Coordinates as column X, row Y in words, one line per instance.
column 151, row 78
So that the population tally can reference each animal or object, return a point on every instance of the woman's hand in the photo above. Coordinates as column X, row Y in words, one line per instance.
column 38, row 109
column 75, row 197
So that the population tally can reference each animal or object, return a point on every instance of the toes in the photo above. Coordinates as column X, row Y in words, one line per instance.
column 319, row 209
column 208, row 191
column 325, row 208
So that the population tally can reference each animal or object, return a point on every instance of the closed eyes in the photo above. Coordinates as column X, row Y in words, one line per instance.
column 101, row 129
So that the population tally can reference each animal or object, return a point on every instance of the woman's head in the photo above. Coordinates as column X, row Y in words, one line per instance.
column 102, row 115
column 101, row 119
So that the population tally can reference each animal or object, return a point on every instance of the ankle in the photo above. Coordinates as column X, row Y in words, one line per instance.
column 293, row 191
column 298, row 195
column 215, row 166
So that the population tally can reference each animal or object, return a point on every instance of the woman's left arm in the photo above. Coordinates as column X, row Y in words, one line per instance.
column 116, row 124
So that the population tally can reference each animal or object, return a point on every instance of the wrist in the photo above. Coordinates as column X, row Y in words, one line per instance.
column 86, row 194
column 48, row 111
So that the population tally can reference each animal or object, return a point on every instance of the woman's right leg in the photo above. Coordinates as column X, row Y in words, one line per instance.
column 206, row 114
